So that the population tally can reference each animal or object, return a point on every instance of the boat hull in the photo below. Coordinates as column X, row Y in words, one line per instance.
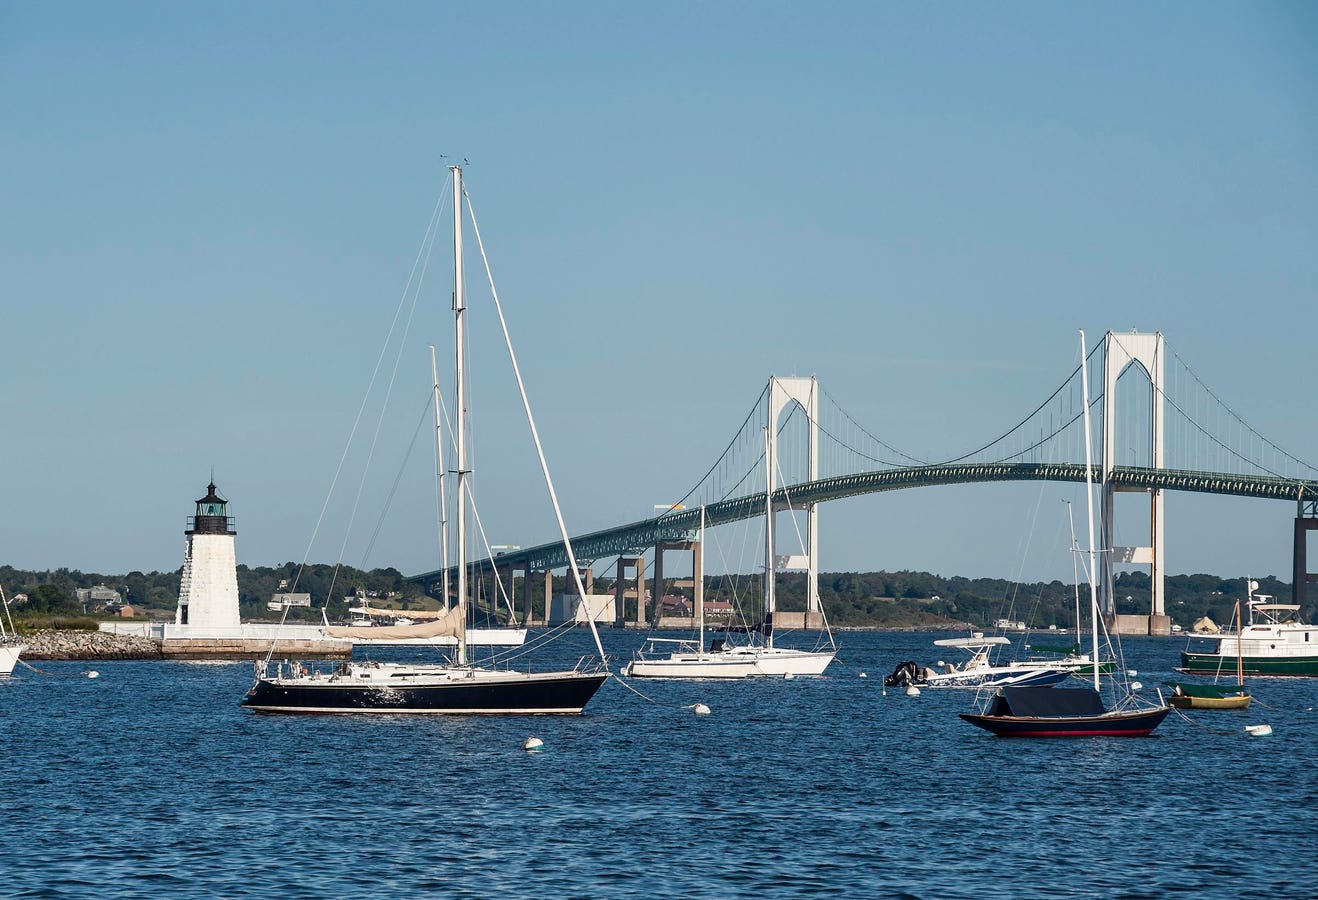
column 679, row 666
column 1117, row 724
column 490, row 693
column 1214, row 663
column 9, row 654
column 1180, row 701
column 998, row 677
column 778, row 663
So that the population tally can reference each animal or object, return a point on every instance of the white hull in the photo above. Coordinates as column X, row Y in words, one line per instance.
column 731, row 662
column 778, row 662
column 998, row 676
column 9, row 654
column 691, row 665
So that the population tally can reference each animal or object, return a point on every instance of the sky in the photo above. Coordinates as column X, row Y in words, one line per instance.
column 210, row 214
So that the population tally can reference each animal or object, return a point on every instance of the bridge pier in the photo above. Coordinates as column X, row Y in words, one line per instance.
column 620, row 590
column 657, row 594
column 1306, row 520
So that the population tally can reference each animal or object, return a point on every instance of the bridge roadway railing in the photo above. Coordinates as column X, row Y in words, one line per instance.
column 684, row 524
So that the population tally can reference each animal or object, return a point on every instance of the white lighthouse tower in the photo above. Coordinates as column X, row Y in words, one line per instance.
column 208, row 593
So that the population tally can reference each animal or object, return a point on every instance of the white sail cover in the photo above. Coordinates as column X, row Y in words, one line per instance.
column 448, row 625
column 413, row 614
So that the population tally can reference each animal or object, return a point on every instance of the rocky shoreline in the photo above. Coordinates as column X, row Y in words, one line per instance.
column 88, row 645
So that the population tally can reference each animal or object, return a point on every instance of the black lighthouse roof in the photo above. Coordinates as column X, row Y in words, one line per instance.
column 211, row 496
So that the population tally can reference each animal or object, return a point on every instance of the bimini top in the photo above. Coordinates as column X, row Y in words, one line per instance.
column 1046, row 702
column 977, row 640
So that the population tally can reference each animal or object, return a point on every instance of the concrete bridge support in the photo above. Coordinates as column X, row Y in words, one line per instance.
column 637, row 564
column 657, row 593
column 1120, row 351
column 1306, row 520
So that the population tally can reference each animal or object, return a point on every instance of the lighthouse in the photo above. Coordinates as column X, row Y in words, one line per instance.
column 208, row 592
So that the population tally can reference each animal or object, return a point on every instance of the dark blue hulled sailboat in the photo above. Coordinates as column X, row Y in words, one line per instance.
column 1070, row 712
column 1062, row 712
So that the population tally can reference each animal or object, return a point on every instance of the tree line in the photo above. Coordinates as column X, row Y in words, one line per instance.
column 850, row 599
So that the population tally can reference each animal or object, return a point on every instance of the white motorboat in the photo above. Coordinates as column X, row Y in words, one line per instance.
column 978, row 670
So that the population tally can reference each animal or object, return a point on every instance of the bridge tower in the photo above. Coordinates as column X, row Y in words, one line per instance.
column 1121, row 351
column 805, row 392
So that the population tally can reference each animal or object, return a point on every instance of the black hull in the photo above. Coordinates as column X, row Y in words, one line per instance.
column 1131, row 724
column 532, row 695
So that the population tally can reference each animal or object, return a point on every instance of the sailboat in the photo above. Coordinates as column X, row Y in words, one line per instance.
column 1070, row 712
column 456, row 686
column 755, row 658
column 1069, row 657
column 1187, row 695
column 11, row 648
column 690, row 659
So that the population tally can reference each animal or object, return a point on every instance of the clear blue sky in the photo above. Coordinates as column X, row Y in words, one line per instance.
column 210, row 210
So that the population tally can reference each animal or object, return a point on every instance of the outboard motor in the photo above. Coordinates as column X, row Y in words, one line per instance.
column 906, row 674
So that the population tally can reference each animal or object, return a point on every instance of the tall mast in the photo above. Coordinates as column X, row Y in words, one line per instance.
column 1089, row 500
column 460, row 428
column 439, row 477
column 700, row 584
column 768, row 542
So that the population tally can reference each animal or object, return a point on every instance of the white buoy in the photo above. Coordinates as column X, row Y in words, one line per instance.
column 93, row 674
column 701, row 709
column 912, row 691
column 533, row 745
column 1131, row 673
column 863, row 675
column 1135, row 686
column 1258, row 730
column 788, row 676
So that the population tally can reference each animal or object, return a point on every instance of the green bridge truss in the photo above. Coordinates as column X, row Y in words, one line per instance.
column 683, row 525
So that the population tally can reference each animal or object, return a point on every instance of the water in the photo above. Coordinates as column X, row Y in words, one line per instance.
column 150, row 780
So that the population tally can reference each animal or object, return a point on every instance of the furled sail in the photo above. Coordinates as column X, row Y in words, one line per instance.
column 413, row 614
column 446, row 626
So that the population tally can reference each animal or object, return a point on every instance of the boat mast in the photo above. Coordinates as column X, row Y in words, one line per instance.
column 1075, row 570
column 439, row 478
column 768, row 542
column 1240, row 650
column 700, row 586
column 460, row 429
column 1089, row 501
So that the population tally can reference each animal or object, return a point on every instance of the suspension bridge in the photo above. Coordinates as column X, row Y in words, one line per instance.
column 797, row 448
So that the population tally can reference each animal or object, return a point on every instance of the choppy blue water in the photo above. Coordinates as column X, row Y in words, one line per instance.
column 150, row 780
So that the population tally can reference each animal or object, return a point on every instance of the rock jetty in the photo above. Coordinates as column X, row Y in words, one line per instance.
column 89, row 645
